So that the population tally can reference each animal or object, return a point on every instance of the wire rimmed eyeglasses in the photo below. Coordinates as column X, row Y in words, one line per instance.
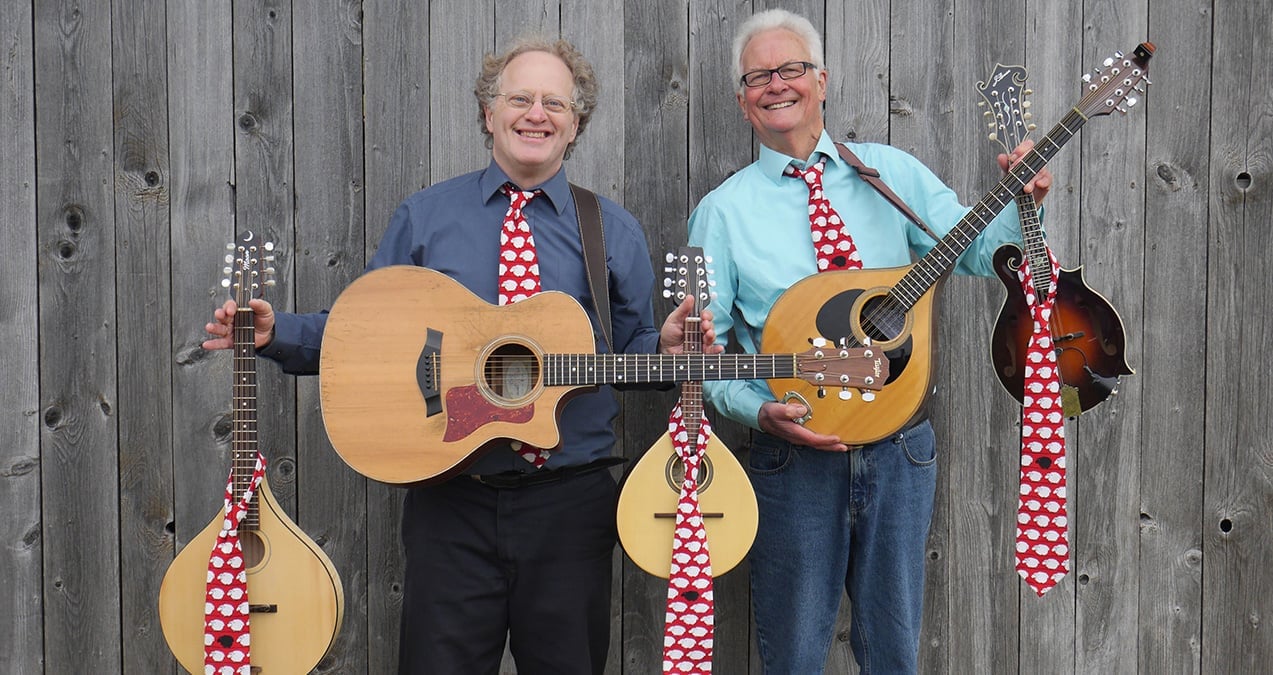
column 787, row 71
column 523, row 100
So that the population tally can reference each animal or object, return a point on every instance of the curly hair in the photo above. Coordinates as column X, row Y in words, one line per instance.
column 586, row 86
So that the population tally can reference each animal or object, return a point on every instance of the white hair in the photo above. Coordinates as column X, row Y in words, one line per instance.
column 770, row 20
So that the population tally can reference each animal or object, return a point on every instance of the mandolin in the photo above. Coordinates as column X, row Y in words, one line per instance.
column 1087, row 331
column 651, row 491
column 443, row 375
column 295, row 597
column 891, row 308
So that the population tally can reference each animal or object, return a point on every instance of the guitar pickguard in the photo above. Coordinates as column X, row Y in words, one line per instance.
column 468, row 411
column 835, row 320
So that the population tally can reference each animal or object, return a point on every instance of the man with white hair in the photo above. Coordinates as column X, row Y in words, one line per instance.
column 831, row 516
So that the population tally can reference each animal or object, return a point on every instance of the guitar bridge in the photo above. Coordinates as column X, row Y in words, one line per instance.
column 426, row 371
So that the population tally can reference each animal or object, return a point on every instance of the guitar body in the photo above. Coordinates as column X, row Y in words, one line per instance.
column 652, row 490
column 374, row 408
column 1085, row 328
column 286, row 570
column 853, row 304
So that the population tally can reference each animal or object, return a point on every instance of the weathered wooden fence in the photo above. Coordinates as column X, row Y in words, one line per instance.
column 137, row 136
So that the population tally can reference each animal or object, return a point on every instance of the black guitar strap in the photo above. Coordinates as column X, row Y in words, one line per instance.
column 591, row 233
column 872, row 178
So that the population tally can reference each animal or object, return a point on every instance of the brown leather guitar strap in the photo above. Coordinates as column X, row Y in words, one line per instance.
column 872, row 178
column 591, row 233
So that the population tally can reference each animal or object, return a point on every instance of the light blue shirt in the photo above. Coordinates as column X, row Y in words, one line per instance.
column 755, row 227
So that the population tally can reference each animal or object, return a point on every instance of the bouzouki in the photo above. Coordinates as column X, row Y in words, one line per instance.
column 295, row 597
column 418, row 375
column 892, row 307
column 1087, row 331
column 651, row 491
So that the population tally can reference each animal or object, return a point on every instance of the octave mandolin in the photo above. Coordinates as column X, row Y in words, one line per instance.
column 295, row 597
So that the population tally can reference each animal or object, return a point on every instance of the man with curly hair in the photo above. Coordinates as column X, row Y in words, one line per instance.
column 508, row 551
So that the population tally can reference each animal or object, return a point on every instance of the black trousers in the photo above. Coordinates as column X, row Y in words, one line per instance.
column 531, row 565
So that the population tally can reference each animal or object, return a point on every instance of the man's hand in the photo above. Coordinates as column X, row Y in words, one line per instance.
column 672, row 335
column 1042, row 181
column 779, row 419
column 222, row 326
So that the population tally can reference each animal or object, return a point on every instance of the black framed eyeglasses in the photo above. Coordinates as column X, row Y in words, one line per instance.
column 787, row 71
column 523, row 100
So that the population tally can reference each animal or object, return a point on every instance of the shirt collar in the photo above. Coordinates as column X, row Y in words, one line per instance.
column 773, row 163
column 557, row 189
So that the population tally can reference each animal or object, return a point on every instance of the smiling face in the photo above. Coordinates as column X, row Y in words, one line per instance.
column 529, row 144
column 786, row 114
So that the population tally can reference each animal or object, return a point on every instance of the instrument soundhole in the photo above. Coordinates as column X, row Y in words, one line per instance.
column 511, row 372
column 881, row 321
column 674, row 472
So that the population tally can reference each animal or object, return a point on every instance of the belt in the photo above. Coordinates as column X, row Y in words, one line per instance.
column 509, row 480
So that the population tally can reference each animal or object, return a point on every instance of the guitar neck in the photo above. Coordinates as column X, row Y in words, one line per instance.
column 244, row 443
column 593, row 369
column 925, row 273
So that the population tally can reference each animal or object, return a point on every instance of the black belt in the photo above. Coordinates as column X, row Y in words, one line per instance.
column 509, row 480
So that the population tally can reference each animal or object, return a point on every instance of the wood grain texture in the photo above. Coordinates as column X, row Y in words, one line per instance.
column 21, row 558
column 311, row 123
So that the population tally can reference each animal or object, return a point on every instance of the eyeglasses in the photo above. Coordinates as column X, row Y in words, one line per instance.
column 787, row 71
column 523, row 100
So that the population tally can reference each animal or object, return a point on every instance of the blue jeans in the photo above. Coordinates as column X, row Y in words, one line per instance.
column 857, row 521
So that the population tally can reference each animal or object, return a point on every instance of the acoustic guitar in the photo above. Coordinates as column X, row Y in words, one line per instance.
column 892, row 307
column 1087, row 331
column 652, row 489
column 295, row 597
column 418, row 375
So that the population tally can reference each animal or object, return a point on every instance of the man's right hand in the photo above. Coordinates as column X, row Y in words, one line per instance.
column 779, row 419
column 222, row 326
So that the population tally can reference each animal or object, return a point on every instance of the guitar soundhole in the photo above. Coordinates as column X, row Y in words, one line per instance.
column 881, row 321
column 511, row 372
column 674, row 472
column 253, row 547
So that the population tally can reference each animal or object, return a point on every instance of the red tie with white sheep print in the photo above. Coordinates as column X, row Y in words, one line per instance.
column 689, row 627
column 519, row 278
column 226, row 638
column 1042, row 546
column 832, row 245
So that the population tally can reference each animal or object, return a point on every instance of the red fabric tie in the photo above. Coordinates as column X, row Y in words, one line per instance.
column 519, row 278
column 1043, row 542
column 689, row 627
column 831, row 242
column 226, row 635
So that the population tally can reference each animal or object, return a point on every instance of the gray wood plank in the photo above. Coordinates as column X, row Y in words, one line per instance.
column 459, row 34
column 265, row 201
column 327, row 82
column 201, row 193
column 981, row 421
column 1237, row 488
column 651, row 86
column 1173, row 434
column 77, row 327
column 1104, row 469
column 21, row 559
column 142, row 248
column 396, row 46
column 1055, row 62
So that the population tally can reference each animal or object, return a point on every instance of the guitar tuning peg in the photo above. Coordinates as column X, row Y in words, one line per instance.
column 1026, row 104
column 822, row 392
column 269, row 271
column 1027, row 92
column 992, row 136
column 868, row 396
column 818, row 342
column 707, row 259
column 225, row 283
column 982, row 104
column 269, row 246
column 846, row 394
column 669, row 257
column 229, row 258
column 227, row 270
column 667, row 293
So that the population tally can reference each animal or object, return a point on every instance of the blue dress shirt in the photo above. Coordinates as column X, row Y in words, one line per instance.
column 453, row 227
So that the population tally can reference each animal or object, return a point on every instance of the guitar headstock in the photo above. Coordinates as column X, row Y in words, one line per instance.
column 249, row 268
column 1008, row 112
column 1114, row 85
column 847, row 368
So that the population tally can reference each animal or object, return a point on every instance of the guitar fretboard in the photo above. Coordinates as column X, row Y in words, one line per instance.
column 243, row 444
column 588, row 369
